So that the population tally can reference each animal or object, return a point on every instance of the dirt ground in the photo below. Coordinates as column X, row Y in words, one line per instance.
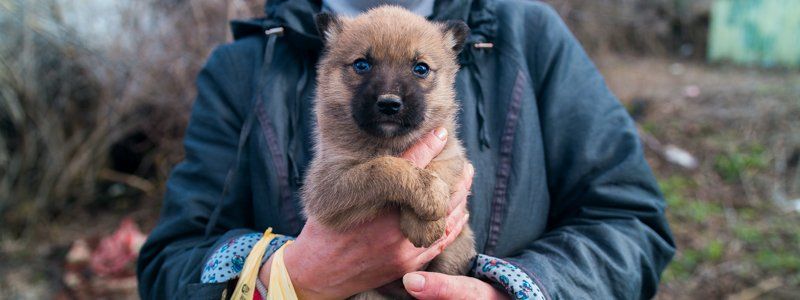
column 733, row 219
column 732, row 215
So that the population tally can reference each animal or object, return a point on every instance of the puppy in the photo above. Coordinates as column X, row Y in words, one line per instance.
column 386, row 78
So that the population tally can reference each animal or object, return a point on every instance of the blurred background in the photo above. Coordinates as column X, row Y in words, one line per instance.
column 95, row 96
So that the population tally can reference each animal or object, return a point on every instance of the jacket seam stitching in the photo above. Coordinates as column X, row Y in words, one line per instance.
column 500, row 193
column 287, row 207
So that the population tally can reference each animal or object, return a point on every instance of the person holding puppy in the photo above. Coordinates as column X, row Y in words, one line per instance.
column 561, row 201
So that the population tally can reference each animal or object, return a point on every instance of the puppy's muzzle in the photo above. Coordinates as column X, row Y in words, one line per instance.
column 389, row 104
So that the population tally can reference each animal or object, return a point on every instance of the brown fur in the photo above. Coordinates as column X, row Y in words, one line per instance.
column 355, row 176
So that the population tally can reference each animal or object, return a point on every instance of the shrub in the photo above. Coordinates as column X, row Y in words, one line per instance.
column 94, row 97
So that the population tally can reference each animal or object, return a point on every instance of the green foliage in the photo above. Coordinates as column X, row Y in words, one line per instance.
column 778, row 261
column 681, row 207
column 733, row 165
column 682, row 266
column 687, row 260
column 687, row 210
column 748, row 234
column 701, row 211
column 674, row 187
column 771, row 245
column 714, row 250
column 650, row 127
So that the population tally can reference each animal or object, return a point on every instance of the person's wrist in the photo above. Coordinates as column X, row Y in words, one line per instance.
column 264, row 272
column 304, row 283
column 294, row 274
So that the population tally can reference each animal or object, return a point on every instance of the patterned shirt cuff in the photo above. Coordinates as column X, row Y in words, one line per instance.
column 228, row 260
column 503, row 274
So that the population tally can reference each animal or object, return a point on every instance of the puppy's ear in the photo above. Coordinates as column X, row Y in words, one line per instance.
column 455, row 34
column 328, row 25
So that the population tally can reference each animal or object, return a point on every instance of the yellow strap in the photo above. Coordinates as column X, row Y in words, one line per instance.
column 247, row 279
column 280, row 285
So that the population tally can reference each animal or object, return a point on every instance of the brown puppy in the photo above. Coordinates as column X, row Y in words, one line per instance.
column 386, row 79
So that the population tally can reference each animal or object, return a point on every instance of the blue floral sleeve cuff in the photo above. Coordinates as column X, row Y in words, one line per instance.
column 228, row 259
column 512, row 279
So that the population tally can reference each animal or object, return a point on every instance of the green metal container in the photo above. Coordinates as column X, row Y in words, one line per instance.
column 755, row 32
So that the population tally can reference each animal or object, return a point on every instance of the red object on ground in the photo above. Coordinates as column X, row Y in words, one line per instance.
column 117, row 250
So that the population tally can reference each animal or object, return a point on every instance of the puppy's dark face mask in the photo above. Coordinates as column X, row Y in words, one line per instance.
column 393, row 72
column 389, row 96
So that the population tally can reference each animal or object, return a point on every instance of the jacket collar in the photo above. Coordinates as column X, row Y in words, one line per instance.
column 297, row 18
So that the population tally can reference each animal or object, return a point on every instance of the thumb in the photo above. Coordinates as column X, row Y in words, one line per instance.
column 428, row 285
column 427, row 148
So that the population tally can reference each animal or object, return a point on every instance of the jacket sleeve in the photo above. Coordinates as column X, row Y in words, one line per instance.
column 172, row 258
column 607, row 236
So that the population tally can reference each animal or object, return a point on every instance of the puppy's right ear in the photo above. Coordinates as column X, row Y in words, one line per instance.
column 328, row 25
column 456, row 33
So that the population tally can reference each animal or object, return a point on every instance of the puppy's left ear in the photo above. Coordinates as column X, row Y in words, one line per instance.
column 455, row 34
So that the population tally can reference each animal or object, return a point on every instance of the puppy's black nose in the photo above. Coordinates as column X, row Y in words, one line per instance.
column 389, row 104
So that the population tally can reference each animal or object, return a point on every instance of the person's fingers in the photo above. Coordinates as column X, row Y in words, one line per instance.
column 428, row 147
column 437, row 248
column 462, row 188
column 470, row 174
column 429, row 285
column 457, row 199
column 455, row 217
column 454, row 226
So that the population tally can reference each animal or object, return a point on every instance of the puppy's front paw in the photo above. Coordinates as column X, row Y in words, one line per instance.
column 420, row 232
column 432, row 202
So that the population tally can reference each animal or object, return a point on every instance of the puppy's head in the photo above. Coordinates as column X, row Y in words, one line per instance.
column 387, row 74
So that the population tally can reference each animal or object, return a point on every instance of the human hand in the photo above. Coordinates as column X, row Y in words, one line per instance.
column 328, row 264
column 429, row 285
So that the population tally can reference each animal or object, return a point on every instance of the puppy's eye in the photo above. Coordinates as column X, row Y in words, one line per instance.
column 421, row 70
column 361, row 66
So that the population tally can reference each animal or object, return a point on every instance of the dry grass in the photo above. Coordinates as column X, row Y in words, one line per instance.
column 660, row 27
column 94, row 99
column 92, row 116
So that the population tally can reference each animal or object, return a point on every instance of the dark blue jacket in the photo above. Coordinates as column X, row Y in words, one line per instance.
column 562, row 188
